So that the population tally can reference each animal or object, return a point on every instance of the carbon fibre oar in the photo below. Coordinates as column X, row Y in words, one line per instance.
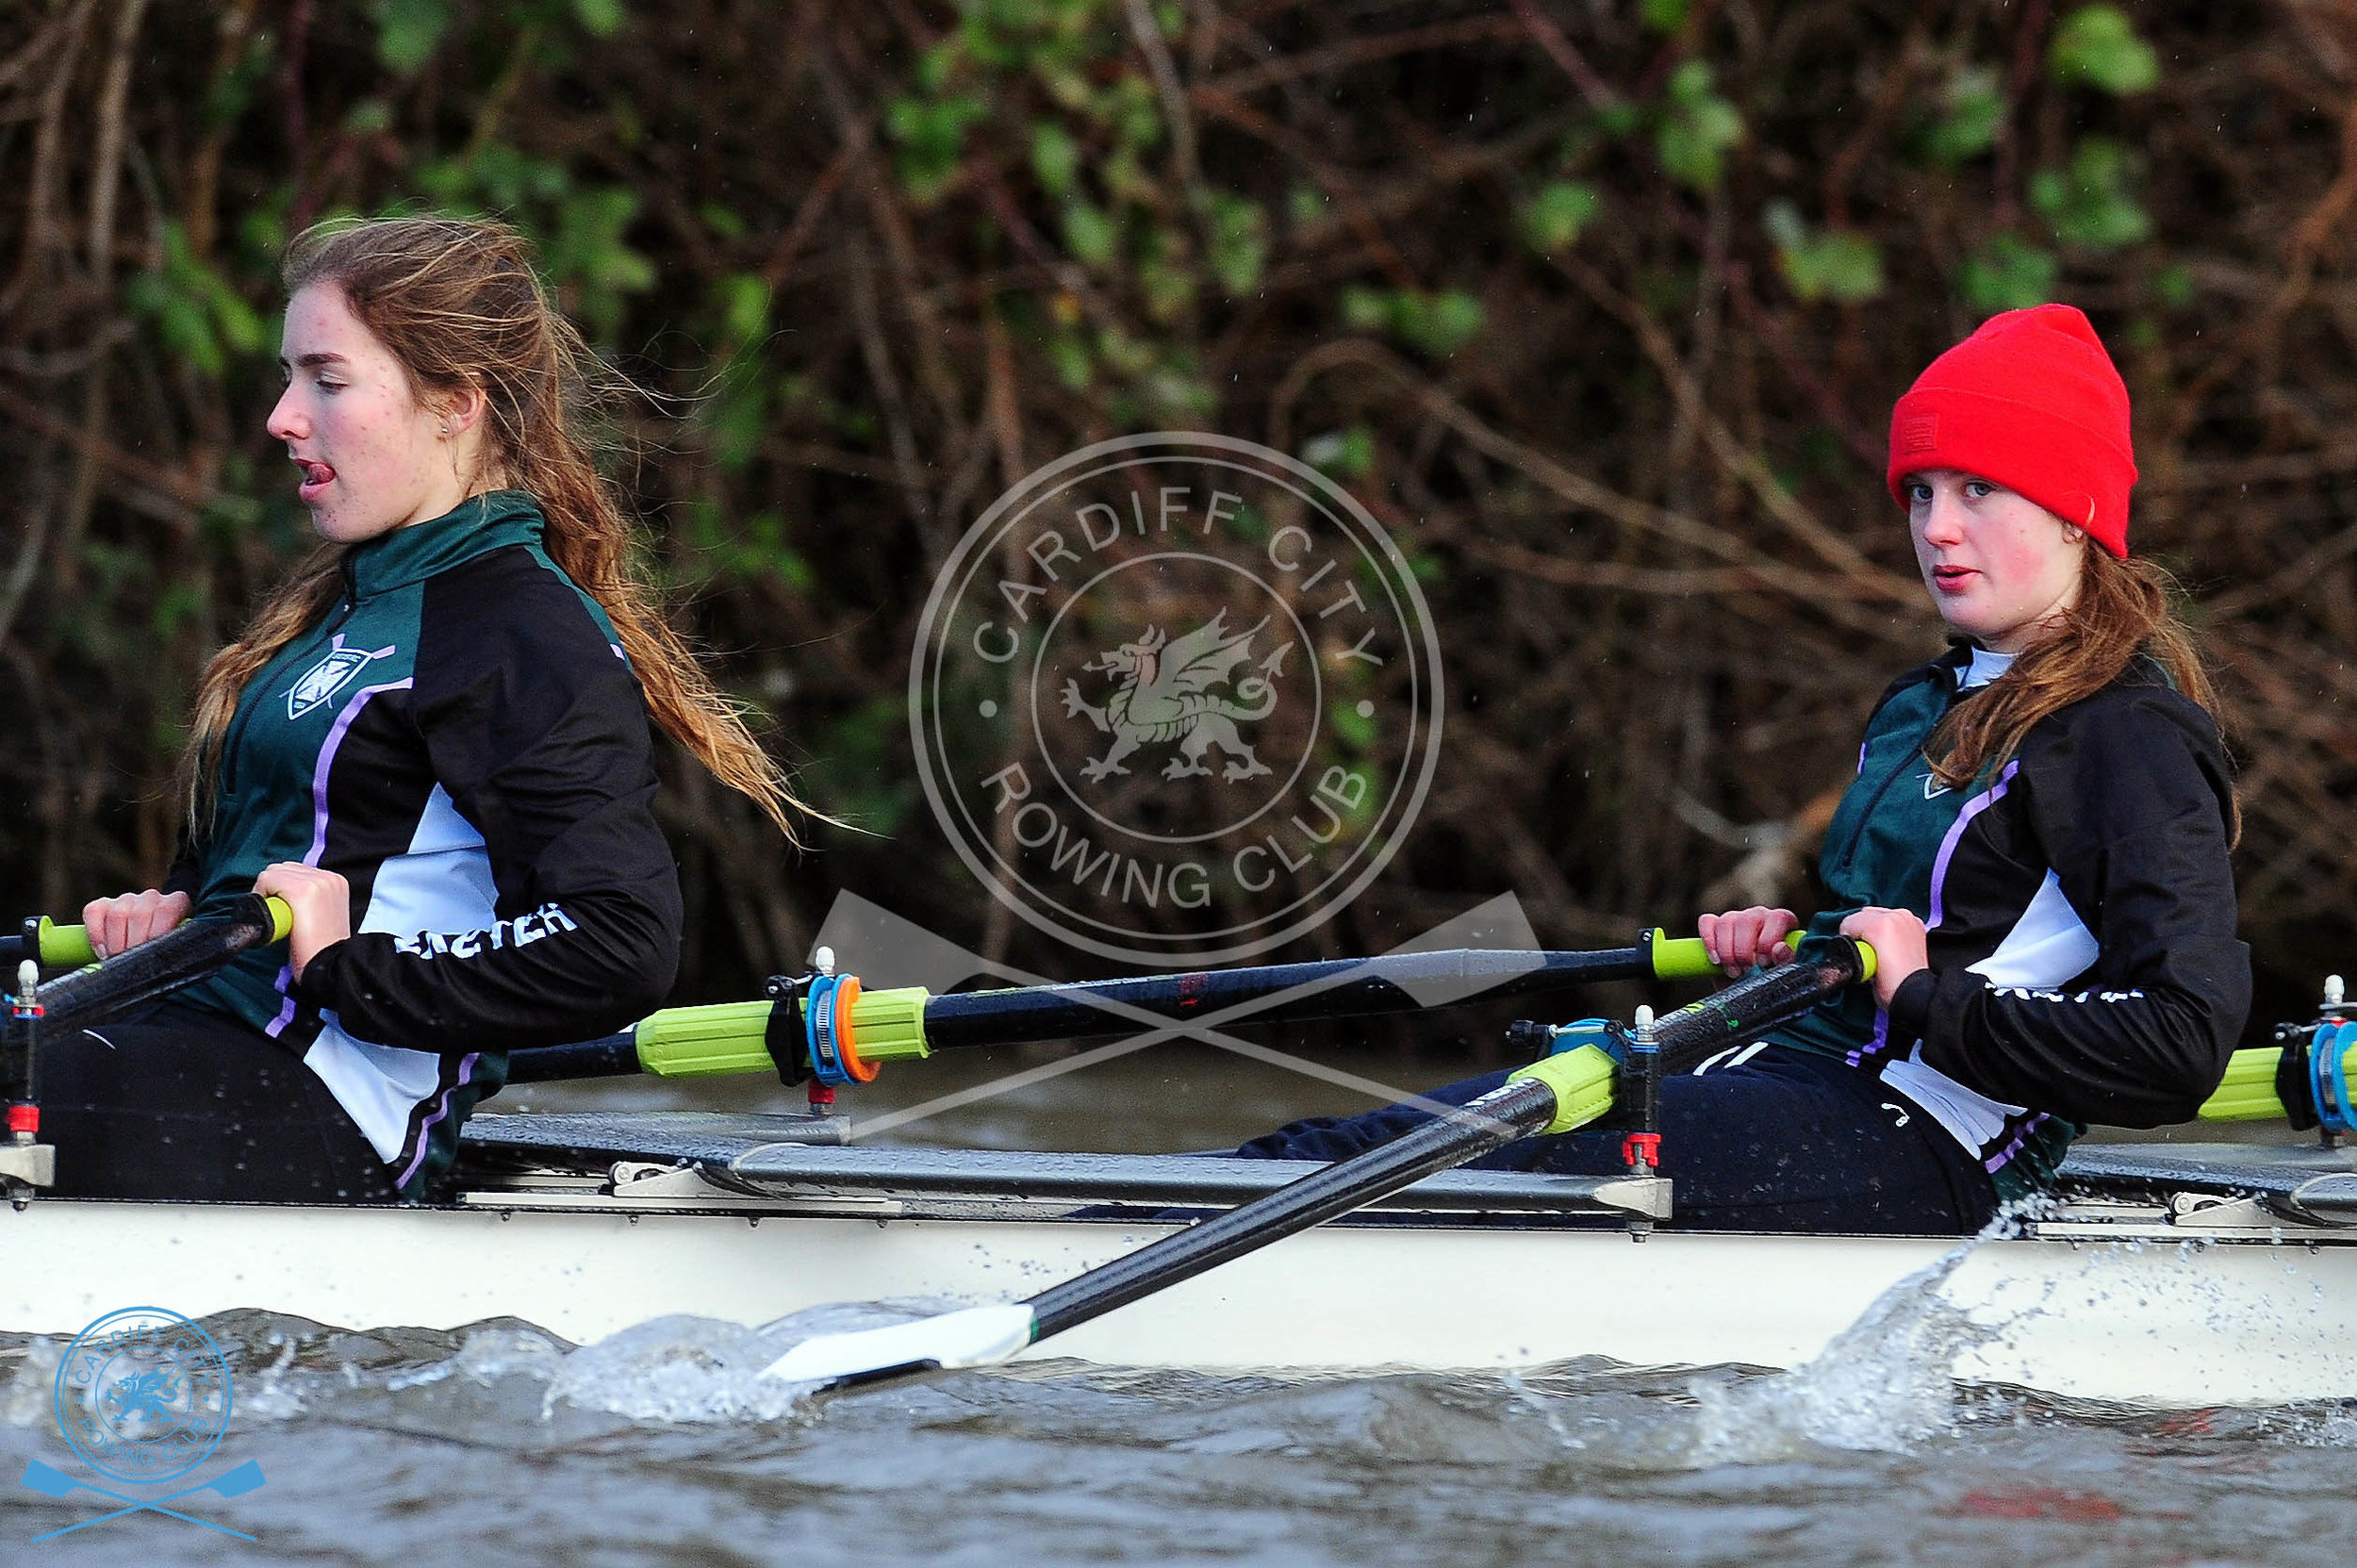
column 1559, row 1094
column 187, row 952
column 734, row 1037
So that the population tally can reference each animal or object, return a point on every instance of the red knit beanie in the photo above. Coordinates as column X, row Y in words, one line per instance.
column 2032, row 403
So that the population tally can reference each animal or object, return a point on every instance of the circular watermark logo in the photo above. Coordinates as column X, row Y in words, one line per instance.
column 1175, row 698
column 142, row 1395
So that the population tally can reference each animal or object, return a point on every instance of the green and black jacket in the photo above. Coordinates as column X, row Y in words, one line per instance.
column 2084, row 967
column 463, row 740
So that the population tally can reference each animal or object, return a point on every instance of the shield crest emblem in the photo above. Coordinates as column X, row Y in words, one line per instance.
column 327, row 677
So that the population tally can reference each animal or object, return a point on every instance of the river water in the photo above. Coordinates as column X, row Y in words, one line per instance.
column 499, row 1444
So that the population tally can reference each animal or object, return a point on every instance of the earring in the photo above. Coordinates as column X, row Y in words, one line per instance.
column 446, row 429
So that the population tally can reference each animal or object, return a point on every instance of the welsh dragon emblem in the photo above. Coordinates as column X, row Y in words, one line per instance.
column 1166, row 694
column 148, row 1395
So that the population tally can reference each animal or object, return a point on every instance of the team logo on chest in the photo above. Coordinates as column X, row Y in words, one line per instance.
column 329, row 676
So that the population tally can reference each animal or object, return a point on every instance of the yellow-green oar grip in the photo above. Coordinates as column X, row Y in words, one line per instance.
column 1684, row 958
column 68, row 947
column 2247, row 1094
column 733, row 1037
column 889, row 1026
column 704, row 1042
column 65, row 947
column 1582, row 1080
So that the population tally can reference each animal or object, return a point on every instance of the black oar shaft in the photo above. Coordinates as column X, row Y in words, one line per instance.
column 1331, row 988
column 1734, row 1015
column 1496, row 1118
column 1520, row 1108
column 152, row 969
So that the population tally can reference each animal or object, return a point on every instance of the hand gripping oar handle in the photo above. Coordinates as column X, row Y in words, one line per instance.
column 1557, row 1095
column 733, row 1037
column 187, row 952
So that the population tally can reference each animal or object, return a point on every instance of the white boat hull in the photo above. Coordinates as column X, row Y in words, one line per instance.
column 2243, row 1320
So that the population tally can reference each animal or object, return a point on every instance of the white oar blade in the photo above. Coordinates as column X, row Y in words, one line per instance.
column 979, row 1336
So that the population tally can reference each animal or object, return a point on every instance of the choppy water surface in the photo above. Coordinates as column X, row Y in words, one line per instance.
column 500, row 1444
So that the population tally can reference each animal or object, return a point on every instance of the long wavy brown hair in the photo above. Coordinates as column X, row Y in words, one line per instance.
column 2123, row 609
column 458, row 305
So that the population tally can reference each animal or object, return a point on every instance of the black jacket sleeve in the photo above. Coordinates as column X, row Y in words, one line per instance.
column 2129, row 797
column 538, row 730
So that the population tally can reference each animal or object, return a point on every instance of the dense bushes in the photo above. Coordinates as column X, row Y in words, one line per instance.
column 1599, row 305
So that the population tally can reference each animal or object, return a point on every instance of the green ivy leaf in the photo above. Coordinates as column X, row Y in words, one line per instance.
column 931, row 134
column 1238, row 243
column 1169, row 288
column 408, row 31
column 1069, row 358
column 2090, row 203
column 1697, row 129
column 1975, row 107
column 1439, row 324
column 599, row 18
column 2098, row 45
column 1365, row 309
column 1553, row 220
column 744, row 306
column 1348, row 454
column 1835, row 264
column 1055, row 157
column 2007, row 273
column 1088, row 234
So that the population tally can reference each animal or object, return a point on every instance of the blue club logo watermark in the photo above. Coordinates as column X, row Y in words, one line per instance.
column 143, row 1397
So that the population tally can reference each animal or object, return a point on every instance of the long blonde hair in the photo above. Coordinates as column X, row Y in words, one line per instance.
column 2123, row 609
column 457, row 303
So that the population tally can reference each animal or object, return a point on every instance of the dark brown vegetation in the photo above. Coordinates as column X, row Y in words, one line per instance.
column 1601, row 307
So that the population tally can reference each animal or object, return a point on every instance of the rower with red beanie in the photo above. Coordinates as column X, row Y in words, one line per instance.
column 2036, row 845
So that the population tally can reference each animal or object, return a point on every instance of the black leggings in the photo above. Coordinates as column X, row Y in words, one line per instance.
column 176, row 1104
column 1786, row 1141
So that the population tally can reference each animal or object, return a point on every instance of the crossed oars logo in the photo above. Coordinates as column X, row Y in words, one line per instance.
column 873, row 940
column 57, row 1483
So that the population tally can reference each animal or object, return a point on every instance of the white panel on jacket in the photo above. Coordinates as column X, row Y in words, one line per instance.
column 2049, row 946
column 442, row 883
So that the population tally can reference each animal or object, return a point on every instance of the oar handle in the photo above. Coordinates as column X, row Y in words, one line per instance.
column 187, row 952
column 49, row 944
column 1686, row 958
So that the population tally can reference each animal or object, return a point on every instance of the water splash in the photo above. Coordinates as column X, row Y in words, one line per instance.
column 1886, row 1382
column 27, row 1392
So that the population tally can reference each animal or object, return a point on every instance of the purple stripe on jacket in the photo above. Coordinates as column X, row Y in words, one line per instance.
column 465, row 1072
column 1973, row 808
column 336, row 734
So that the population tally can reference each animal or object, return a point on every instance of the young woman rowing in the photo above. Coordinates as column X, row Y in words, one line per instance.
column 431, row 742
column 2035, row 848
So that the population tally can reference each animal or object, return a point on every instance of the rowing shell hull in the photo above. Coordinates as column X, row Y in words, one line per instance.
column 2246, row 1321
